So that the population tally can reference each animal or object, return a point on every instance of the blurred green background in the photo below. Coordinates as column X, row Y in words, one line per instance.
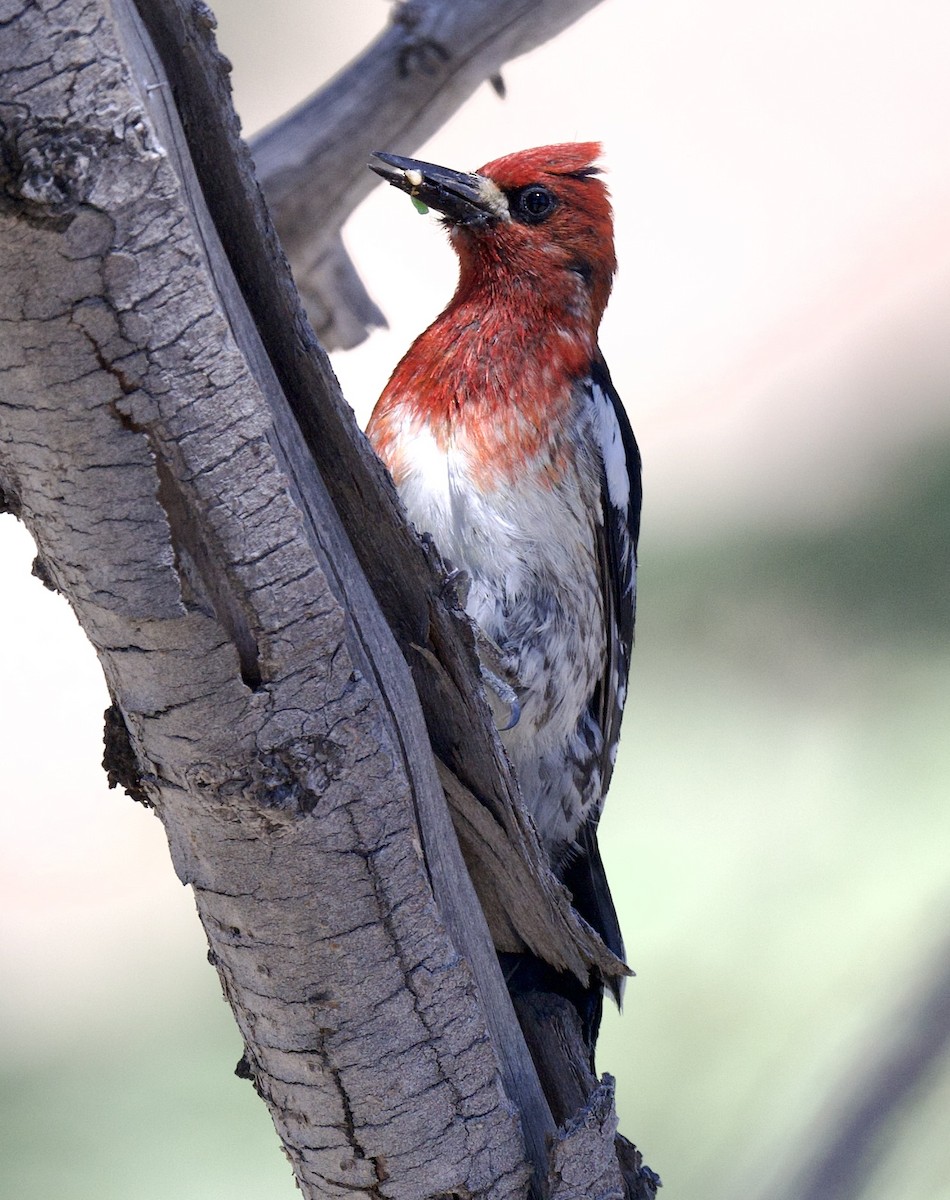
column 778, row 830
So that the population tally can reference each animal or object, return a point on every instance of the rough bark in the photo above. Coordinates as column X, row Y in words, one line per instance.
column 169, row 428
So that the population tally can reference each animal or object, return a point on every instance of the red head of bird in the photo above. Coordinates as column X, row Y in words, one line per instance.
column 533, row 230
column 534, row 235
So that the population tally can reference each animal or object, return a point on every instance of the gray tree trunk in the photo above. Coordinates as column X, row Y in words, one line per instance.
column 172, row 436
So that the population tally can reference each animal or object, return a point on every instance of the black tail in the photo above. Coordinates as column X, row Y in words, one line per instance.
column 584, row 877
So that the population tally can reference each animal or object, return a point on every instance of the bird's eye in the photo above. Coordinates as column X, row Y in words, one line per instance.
column 533, row 204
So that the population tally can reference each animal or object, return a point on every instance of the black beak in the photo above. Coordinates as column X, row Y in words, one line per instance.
column 461, row 199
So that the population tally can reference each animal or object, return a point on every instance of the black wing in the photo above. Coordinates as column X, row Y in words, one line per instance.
column 617, row 539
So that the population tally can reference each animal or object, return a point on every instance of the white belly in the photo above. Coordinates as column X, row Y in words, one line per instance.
column 529, row 553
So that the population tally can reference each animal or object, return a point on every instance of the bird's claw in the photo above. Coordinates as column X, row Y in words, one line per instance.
column 499, row 680
column 460, row 582
column 506, row 694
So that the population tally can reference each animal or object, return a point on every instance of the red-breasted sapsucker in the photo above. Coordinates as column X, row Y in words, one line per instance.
column 509, row 445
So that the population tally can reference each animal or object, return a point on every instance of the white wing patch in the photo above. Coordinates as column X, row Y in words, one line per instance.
column 607, row 431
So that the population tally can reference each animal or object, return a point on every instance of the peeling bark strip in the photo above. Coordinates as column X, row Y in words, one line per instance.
column 261, row 703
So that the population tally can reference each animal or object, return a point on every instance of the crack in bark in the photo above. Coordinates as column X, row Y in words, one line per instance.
column 188, row 538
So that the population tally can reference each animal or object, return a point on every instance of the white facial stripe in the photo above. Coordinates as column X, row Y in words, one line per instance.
column 494, row 199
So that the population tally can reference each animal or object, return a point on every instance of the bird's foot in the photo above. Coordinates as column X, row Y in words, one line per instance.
column 458, row 581
column 500, row 681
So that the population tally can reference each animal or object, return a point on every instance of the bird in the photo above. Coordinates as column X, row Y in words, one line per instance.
column 509, row 446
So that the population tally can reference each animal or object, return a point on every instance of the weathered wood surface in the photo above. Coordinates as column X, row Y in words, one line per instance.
column 168, row 429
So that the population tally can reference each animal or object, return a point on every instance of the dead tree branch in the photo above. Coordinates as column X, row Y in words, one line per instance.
column 173, row 438
column 847, row 1137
